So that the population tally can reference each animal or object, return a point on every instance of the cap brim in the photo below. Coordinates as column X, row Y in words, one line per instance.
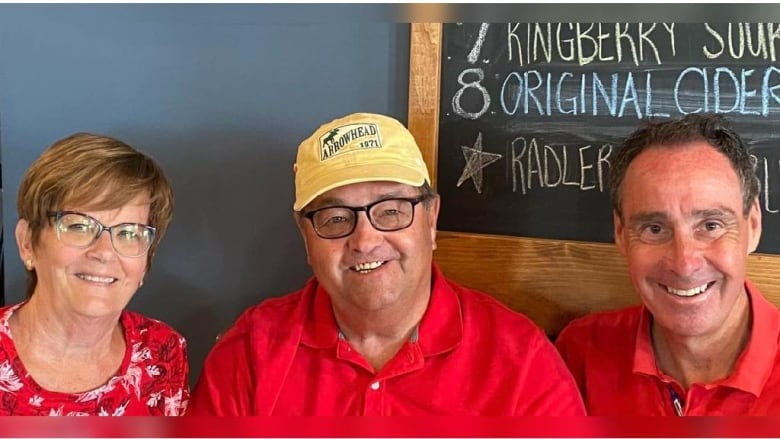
column 326, row 181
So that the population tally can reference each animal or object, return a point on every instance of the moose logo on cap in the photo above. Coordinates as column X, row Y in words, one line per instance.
column 350, row 137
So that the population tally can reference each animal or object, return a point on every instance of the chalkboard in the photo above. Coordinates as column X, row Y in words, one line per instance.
column 551, row 280
column 531, row 113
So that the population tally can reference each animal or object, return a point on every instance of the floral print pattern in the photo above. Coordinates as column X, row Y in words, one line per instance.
column 151, row 381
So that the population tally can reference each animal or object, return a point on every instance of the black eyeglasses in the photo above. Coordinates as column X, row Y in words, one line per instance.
column 81, row 230
column 386, row 215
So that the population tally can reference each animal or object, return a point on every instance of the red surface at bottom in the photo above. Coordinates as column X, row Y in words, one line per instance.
column 390, row 427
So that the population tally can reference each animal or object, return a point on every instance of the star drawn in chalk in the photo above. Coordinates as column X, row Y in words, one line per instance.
column 476, row 159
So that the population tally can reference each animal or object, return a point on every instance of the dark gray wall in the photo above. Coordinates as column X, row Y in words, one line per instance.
column 220, row 95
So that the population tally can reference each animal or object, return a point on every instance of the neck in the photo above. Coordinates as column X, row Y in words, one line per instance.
column 704, row 358
column 62, row 332
column 379, row 335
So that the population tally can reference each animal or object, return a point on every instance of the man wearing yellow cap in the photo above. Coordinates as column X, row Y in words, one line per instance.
column 378, row 330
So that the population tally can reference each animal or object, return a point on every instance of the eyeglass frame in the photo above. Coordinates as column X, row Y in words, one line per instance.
column 101, row 228
column 366, row 208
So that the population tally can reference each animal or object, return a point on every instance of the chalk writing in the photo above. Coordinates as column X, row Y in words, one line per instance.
column 476, row 85
column 752, row 40
column 584, row 43
column 531, row 114
column 551, row 166
column 474, row 54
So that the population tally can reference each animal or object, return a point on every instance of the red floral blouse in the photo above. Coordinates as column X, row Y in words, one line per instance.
column 152, row 379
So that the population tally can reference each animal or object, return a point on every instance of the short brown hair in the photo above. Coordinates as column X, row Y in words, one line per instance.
column 96, row 172
column 710, row 128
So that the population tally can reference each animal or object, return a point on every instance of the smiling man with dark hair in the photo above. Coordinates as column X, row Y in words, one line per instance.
column 378, row 330
column 704, row 341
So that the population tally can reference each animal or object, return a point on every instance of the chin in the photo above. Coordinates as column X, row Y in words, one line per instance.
column 688, row 329
column 98, row 308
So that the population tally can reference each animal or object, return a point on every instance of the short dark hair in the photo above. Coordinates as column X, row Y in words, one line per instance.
column 427, row 191
column 711, row 128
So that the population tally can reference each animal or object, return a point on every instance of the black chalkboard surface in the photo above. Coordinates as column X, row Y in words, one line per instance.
column 530, row 114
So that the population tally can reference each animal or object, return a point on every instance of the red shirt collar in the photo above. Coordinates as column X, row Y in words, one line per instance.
column 753, row 366
column 440, row 330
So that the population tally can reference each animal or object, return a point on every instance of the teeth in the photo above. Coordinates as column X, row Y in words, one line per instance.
column 90, row 278
column 687, row 293
column 367, row 266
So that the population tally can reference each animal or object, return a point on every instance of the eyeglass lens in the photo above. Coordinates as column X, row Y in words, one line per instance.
column 128, row 239
column 386, row 215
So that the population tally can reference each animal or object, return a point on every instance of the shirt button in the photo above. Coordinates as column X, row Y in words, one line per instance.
column 375, row 385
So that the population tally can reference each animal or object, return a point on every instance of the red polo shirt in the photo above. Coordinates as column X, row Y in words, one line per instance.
column 612, row 359
column 470, row 355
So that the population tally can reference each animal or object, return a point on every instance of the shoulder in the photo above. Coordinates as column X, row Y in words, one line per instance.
column 266, row 323
column 10, row 308
column 271, row 312
column 151, row 331
column 5, row 314
column 605, row 322
column 516, row 348
column 260, row 336
column 601, row 329
column 486, row 311
column 491, row 326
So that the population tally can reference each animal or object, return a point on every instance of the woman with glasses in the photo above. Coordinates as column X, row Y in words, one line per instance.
column 92, row 211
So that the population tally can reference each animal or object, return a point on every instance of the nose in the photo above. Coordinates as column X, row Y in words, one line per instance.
column 685, row 255
column 102, row 248
column 365, row 237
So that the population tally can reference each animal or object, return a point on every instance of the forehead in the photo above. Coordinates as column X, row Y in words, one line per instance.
column 692, row 173
column 140, row 202
column 112, row 197
column 688, row 157
column 362, row 193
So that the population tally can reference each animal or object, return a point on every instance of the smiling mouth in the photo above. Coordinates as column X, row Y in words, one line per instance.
column 366, row 267
column 96, row 279
column 689, row 292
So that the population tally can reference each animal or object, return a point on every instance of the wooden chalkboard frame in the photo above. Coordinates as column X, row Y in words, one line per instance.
column 551, row 281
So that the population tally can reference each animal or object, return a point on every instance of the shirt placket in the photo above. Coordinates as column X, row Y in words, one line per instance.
column 378, row 389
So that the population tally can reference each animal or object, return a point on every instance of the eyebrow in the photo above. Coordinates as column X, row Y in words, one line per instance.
column 656, row 216
column 721, row 212
column 335, row 201
column 646, row 217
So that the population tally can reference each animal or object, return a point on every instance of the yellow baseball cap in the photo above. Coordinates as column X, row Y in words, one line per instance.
column 356, row 148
